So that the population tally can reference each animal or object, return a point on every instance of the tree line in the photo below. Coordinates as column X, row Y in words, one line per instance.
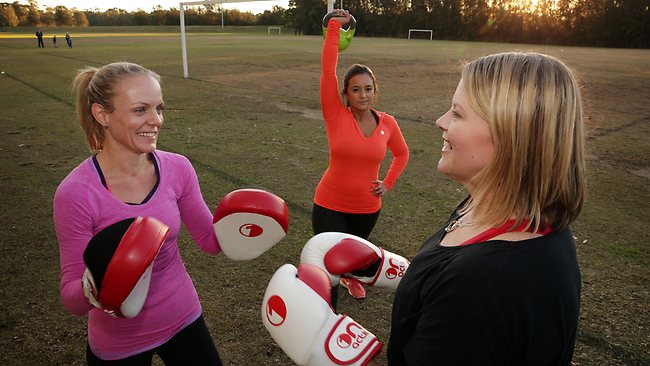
column 606, row 23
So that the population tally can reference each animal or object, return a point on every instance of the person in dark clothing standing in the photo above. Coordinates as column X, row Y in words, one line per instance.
column 39, row 36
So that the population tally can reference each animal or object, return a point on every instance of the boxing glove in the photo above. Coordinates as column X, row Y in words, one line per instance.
column 347, row 255
column 248, row 222
column 296, row 311
column 118, row 261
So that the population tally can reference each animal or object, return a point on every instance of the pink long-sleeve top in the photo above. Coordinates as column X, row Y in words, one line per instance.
column 83, row 207
column 354, row 159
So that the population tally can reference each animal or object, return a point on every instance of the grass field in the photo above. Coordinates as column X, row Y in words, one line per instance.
column 249, row 117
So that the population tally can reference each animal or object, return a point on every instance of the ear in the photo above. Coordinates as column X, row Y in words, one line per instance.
column 100, row 114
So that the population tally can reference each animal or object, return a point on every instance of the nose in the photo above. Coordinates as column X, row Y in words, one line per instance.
column 157, row 118
column 441, row 122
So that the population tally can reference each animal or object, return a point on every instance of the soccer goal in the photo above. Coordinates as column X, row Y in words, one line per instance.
column 430, row 31
column 182, row 6
column 279, row 29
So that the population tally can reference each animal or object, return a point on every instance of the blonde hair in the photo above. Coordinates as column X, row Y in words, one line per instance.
column 97, row 86
column 533, row 106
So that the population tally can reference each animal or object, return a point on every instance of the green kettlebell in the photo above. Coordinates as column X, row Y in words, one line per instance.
column 345, row 37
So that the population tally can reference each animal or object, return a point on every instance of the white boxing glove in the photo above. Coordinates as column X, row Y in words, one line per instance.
column 297, row 313
column 248, row 222
column 345, row 255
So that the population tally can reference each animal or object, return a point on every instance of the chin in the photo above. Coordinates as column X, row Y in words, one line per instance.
column 148, row 149
column 441, row 166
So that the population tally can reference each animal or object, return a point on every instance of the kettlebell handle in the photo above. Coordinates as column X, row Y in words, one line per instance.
column 328, row 16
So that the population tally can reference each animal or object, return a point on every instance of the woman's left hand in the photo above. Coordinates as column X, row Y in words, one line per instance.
column 379, row 188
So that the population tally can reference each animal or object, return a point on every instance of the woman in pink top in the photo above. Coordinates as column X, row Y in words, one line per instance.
column 348, row 197
column 120, row 108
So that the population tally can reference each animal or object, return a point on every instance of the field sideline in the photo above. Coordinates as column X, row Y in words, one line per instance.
column 249, row 116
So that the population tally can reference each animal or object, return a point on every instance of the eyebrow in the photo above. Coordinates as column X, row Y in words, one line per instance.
column 147, row 104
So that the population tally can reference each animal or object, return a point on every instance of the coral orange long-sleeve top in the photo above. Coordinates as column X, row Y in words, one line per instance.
column 354, row 159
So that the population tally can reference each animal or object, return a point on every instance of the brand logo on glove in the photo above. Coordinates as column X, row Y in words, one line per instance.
column 276, row 310
column 397, row 269
column 251, row 230
column 350, row 338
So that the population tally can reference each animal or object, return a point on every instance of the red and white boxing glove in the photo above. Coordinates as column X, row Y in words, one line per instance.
column 248, row 222
column 341, row 254
column 296, row 311
column 118, row 261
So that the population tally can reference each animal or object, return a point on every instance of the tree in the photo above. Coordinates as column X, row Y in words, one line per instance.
column 306, row 16
column 158, row 16
column 33, row 15
column 63, row 16
column 272, row 17
column 21, row 12
column 8, row 16
column 79, row 18
column 140, row 17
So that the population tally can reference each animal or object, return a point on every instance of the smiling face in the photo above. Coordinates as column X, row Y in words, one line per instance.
column 467, row 142
column 137, row 116
column 360, row 92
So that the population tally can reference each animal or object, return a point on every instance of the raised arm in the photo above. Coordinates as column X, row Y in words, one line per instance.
column 329, row 89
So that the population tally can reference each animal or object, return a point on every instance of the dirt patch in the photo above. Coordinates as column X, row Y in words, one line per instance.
column 305, row 112
column 644, row 173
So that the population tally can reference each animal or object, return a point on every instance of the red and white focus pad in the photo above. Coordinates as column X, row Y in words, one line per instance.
column 296, row 313
column 248, row 222
column 119, row 259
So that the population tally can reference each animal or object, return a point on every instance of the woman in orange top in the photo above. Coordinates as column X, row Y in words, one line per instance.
column 348, row 196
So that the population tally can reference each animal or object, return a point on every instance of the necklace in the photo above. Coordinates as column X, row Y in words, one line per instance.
column 455, row 224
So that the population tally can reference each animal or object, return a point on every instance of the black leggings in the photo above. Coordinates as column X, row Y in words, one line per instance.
column 324, row 220
column 193, row 345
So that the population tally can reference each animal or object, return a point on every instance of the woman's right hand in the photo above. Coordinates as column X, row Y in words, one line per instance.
column 342, row 16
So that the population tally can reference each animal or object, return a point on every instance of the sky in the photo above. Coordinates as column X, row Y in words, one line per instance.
column 148, row 5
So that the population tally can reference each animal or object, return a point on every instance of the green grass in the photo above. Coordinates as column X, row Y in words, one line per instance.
column 240, row 118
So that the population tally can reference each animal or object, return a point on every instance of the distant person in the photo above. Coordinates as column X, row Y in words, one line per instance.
column 54, row 41
column 68, row 39
column 39, row 36
column 348, row 196
column 120, row 108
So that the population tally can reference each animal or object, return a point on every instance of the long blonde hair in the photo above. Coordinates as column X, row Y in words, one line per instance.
column 533, row 105
column 94, row 85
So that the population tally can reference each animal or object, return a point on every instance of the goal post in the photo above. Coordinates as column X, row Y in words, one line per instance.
column 181, row 9
column 430, row 31
column 274, row 28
